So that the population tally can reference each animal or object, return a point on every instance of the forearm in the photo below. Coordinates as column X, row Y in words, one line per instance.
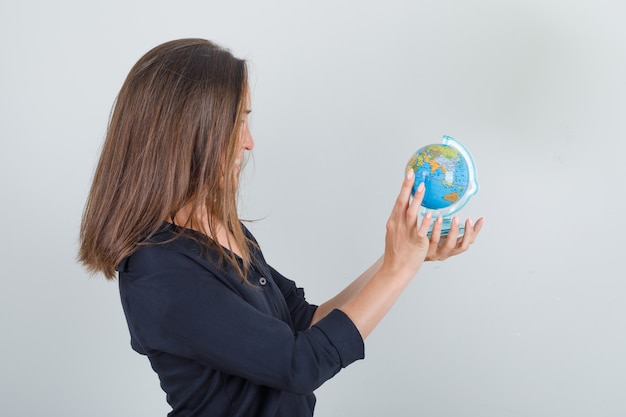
column 338, row 301
column 368, row 307
column 406, row 245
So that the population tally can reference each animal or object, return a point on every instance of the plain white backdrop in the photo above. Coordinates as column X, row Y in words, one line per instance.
column 530, row 322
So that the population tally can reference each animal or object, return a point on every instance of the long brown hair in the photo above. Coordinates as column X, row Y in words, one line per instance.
column 172, row 142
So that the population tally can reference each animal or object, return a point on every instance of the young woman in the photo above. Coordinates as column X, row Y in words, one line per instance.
column 226, row 333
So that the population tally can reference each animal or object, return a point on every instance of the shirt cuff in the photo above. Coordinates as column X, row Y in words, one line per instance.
column 343, row 335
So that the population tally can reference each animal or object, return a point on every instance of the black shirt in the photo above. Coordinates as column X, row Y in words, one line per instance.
column 222, row 347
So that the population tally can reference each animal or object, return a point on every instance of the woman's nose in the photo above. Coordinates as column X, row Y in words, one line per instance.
column 248, row 141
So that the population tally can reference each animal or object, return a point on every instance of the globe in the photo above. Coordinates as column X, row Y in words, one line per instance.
column 448, row 172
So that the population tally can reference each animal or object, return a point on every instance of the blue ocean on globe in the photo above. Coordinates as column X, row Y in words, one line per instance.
column 444, row 172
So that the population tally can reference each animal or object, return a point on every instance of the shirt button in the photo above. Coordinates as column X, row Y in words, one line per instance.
column 262, row 281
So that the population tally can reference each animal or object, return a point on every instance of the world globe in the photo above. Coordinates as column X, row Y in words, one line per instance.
column 449, row 176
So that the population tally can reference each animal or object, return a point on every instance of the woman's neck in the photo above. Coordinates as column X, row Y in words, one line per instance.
column 200, row 223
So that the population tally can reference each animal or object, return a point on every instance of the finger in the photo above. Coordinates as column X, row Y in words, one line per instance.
column 422, row 230
column 453, row 234
column 402, row 202
column 468, row 236
column 435, row 235
column 478, row 226
column 473, row 231
column 413, row 211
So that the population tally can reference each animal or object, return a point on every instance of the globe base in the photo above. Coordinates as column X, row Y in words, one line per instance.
column 445, row 228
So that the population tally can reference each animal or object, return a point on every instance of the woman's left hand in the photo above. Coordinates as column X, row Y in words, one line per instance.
column 443, row 248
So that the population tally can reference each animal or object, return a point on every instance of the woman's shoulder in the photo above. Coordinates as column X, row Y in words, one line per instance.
column 168, row 248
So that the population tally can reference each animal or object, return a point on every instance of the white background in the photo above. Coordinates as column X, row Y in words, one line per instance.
column 530, row 322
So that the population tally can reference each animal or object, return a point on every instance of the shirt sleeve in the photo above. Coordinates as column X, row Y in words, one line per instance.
column 300, row 310
column 184, row 310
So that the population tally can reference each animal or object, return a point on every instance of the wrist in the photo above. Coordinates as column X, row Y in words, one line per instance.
column 399, row 273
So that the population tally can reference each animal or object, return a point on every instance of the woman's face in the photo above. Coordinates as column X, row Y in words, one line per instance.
column 247, row 142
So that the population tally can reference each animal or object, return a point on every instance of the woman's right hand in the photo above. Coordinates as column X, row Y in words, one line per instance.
column 407, row 245
column 406, row 242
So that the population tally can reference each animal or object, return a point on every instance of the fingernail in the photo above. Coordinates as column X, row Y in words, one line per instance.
column 455, row 220
column 420, row 187
column 409, row 174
